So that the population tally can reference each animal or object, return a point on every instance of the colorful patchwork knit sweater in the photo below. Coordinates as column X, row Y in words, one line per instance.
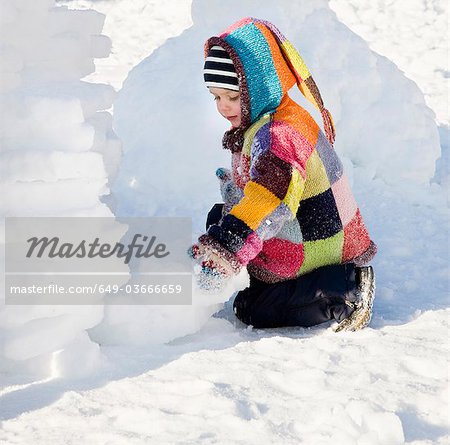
column 295, row 210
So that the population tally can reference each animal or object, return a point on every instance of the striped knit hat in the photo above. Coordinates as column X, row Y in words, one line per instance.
column 219, row 71
column 267, row 65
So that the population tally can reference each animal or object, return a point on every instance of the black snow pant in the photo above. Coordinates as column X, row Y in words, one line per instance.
column 322, row 295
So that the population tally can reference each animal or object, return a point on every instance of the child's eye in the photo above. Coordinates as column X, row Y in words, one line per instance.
column 216, row 98
column 234, row 98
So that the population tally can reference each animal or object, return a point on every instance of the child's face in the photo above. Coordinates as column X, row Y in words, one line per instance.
column 228, row 104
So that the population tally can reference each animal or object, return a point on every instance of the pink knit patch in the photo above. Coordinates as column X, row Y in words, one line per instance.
column 241, row 168
column 345, row 202
column 280, row 257
column 356, row 238
column 253, row 245
column 235, row 26
column 275, row 31
column 290, row 145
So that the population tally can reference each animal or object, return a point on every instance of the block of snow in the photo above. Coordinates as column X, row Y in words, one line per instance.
column 49, row 167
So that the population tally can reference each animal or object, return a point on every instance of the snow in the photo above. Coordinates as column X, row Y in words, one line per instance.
column 390, row 104
column 153, row 374
column 417, row 47
column 409, row 32
column 53, row 163
column 136, row 29
column 228, row 385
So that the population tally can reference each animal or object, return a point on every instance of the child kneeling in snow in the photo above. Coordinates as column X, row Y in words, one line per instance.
column 289, row 215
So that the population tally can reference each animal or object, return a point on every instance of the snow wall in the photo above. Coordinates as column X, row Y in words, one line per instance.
column 58, row 156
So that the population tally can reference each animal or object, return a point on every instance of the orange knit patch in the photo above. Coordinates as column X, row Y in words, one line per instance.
column 297, row 117
column 287, row 79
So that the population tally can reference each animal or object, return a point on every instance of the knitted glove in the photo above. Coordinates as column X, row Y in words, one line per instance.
column 216, row 269
column 231, row 193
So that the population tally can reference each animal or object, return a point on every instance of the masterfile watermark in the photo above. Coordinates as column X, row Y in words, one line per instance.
column 105, row 250
column 85, row 260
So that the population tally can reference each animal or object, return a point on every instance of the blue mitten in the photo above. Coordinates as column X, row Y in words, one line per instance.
column 231, row 193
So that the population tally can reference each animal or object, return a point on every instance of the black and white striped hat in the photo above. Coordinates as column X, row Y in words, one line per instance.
column 219, row 70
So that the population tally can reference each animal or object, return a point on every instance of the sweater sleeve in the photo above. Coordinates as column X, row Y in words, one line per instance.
column 271, row 197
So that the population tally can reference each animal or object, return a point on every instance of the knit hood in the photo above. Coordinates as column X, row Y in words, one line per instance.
column 268, row 66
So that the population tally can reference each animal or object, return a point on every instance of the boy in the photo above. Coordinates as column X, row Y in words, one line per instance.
column 289, row 215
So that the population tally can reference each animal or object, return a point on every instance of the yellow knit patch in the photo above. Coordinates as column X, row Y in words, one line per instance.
column 316, row 177
column 295, row 190
column 296, row 60
column 257, row 203
column 250, row 133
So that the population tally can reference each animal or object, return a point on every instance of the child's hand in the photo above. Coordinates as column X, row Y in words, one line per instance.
column 231, row 193
column 223, row 174
column 211, row 279
column 214, row 270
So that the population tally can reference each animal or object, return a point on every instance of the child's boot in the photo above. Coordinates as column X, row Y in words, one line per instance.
column 362, row 314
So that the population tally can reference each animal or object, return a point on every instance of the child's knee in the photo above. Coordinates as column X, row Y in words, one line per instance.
column 253, row 312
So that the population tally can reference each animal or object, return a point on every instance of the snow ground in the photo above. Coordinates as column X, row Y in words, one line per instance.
column 228, row 384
